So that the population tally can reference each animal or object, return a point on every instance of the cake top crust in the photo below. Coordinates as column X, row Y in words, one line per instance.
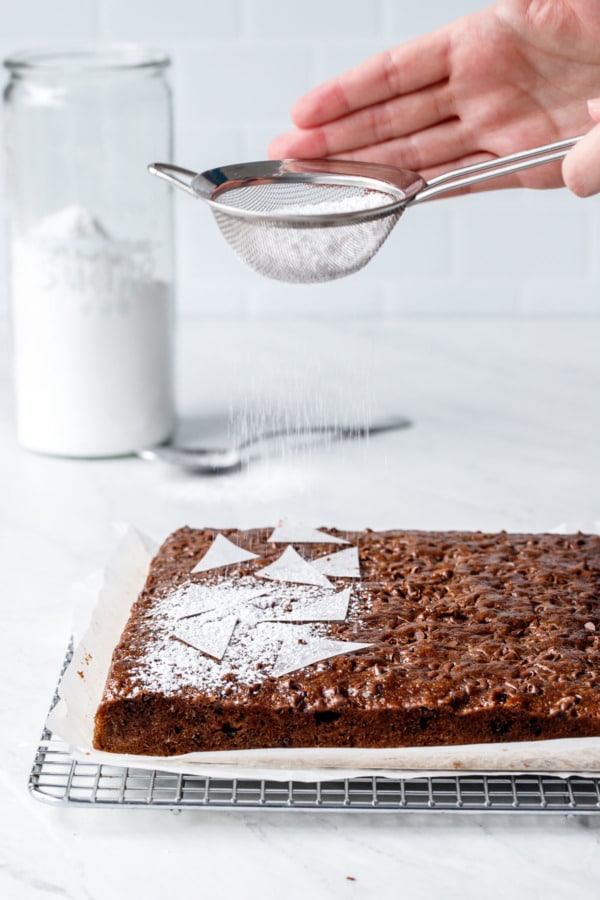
column 461, row 620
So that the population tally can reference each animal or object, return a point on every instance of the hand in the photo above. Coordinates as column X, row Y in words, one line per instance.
column 581, row 166
column 504, row 79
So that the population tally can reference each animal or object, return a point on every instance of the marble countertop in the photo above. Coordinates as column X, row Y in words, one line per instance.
column 506, row 435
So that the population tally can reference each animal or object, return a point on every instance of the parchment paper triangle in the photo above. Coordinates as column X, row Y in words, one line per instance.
column 328, row 608
column 290, row 566
column 222, row 552
column 210, row 637
column 343, row 564
column 294, row 655
column 297, row 533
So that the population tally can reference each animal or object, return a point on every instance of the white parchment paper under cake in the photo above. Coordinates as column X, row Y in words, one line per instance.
column 109, row 596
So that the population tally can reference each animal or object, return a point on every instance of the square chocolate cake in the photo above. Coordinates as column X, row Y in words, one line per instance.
column 303, row 638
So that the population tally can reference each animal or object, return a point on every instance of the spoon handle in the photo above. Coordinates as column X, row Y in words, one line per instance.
column 215, row 460
column 336, row 432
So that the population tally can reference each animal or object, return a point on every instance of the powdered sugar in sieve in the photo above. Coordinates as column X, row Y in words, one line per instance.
column 294, row 240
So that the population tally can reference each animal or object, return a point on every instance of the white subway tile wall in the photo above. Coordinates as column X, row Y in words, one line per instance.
column 238, row 66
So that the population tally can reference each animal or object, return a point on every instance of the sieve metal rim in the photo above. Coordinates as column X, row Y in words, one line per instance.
column 307, row 220
column 209, row 185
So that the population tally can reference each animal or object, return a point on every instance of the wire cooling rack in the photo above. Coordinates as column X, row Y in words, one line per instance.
column 56, row 777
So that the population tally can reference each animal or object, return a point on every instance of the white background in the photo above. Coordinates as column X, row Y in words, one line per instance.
column 506, row 436
column 238, row 66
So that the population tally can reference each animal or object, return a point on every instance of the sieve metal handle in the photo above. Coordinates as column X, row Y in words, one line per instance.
column 181, row 178
column 494, row 168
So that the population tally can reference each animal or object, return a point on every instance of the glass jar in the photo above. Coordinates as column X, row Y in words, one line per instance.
column 90, row 249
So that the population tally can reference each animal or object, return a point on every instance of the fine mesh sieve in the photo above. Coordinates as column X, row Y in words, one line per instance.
column 307, row 251
column 317, row 220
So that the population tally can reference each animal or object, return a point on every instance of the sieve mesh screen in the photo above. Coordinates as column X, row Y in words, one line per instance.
column 306, row 251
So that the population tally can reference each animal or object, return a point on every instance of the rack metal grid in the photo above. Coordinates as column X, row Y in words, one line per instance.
column 56, row 777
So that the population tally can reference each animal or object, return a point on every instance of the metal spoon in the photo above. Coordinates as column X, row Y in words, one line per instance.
column 223, row 460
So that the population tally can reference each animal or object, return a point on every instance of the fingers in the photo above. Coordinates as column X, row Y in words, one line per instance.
column 376, row 124
column 417, row 152
column 581, row 165
column 298, row 144
column 407, row 68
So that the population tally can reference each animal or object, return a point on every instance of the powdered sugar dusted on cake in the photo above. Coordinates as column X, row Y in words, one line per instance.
column 268, row 616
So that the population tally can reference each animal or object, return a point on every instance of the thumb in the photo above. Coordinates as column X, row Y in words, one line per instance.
column 594, row 108
column 581, row 165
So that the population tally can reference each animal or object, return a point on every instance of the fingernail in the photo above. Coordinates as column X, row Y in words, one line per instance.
column 593, row 106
